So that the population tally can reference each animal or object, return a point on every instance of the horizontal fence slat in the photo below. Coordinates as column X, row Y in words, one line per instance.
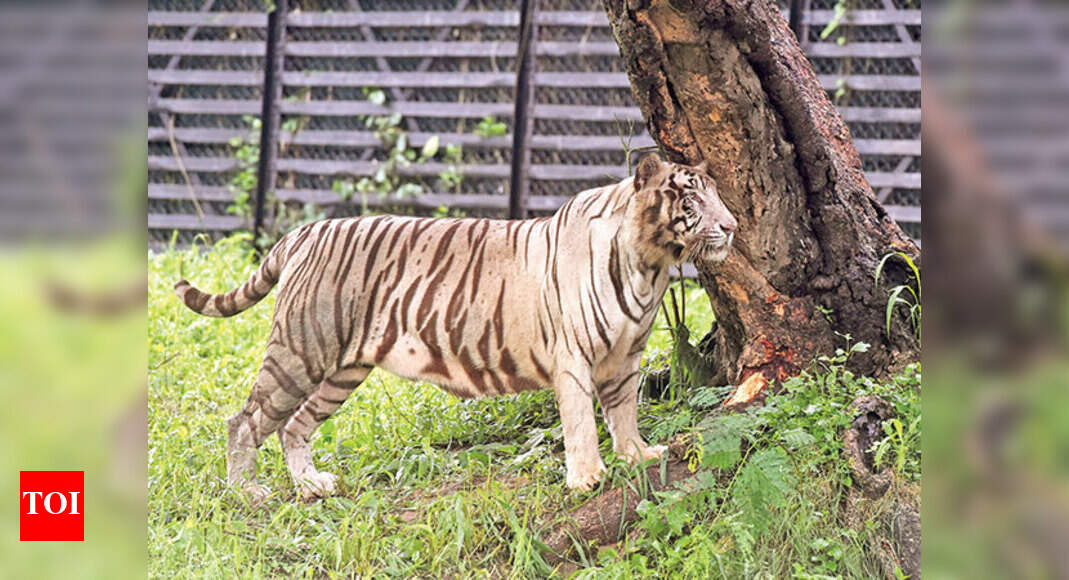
column 472, row 201
column 863, row 50
column 208, row 19
column 205, row 77
column 216, row 223
column 203, row 164
column 358, row 79
column 909, row 147
column 499, row 49
column 476, row 80
column 889, row 179
column 904, row 147
column 587, row 113
column 864, row 17
column 205, row 47
column 179, row 192
column 380, row 49
column 603, row 173
column 323, row 197
column 429, row 169
column 443, row 18
column 416, row 139
column 880, row 115
column 406, row 108
column 389, row 19
column 548, row 172
column 872, row 82
column 904, row 213
column 475, row 110
column 467, row 202
column 206, row 106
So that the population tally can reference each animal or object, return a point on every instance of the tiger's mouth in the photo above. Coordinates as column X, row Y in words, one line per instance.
column 714, row 247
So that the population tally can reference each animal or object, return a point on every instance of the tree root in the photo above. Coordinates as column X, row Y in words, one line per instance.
column 880, row 495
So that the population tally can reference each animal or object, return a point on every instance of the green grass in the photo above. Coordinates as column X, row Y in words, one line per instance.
column 432, row 486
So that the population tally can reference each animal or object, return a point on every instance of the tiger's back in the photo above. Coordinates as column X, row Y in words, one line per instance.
column 446, row 301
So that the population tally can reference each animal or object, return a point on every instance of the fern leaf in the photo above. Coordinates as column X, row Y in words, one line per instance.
column 766, row 482
column 722, row 438
column 797, row 438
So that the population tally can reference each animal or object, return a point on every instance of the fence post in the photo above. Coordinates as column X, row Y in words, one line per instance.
column 521, row 120
column 274, row 63
column 795, row 19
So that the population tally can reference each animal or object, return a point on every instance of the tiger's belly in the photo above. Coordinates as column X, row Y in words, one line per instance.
column 465, row 375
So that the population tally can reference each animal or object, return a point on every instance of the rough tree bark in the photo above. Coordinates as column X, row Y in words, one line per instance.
column 726, row 81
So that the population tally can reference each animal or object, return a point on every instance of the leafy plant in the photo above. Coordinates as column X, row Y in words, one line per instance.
column 688, row 367
column 243, row 184
column 489, row 127
column 763, row 484
column 722, row 438
column 389, row 179
column 767, row 451
column 451, row 177
column 826, row 556
column 443, row 212
column 839, row 13
column 897, row 447
column 904, row 295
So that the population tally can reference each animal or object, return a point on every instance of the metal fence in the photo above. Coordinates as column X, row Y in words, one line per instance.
column 446, row 71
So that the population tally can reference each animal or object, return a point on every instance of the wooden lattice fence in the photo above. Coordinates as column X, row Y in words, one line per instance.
column 448, row 68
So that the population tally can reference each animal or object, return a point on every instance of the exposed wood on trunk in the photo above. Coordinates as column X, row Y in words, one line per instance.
column 725, row 81
column 748, row 392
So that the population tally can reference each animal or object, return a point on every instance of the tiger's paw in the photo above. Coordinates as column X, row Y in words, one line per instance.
column 654, row 452
column 638, row 454
column 585, row 477
column 256, row 493
column 315, row 485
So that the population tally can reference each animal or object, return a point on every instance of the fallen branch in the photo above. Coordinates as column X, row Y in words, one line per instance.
column 606, row 518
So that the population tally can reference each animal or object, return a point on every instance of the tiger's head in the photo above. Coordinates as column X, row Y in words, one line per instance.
column 677, row 215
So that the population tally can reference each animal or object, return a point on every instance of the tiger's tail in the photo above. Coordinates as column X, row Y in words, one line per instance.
column 239, row 299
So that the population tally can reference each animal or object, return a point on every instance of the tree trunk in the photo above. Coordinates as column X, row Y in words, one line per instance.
column 726, row 81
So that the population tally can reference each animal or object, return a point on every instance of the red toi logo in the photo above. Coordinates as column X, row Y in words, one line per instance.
column 50, row 506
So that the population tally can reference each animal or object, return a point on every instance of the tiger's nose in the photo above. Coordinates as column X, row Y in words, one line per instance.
column 729, row 226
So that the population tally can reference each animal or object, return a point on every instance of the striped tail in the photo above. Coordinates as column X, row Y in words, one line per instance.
column 238, row 299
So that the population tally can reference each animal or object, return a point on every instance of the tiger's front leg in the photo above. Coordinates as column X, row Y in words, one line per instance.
column 575, row 399
column 619, row 404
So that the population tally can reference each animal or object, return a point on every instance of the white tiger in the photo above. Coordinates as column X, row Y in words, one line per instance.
column 477, row 306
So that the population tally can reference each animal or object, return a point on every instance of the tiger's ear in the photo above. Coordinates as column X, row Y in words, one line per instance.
column 703, row 167
column 647, row 169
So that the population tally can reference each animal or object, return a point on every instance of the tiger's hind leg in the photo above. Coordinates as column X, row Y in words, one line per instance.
column 295, row 436
column 281, row 386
